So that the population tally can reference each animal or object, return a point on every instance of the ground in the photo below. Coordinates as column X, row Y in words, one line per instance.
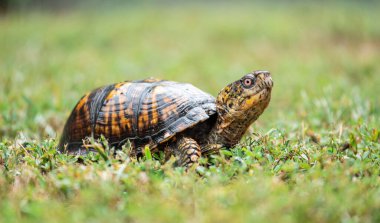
column 313, row 156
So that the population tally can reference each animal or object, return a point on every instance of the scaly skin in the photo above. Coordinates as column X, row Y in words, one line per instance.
column 187, row 151
column 237, row 108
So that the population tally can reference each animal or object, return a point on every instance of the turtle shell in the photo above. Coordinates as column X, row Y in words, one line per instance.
column 147, row 112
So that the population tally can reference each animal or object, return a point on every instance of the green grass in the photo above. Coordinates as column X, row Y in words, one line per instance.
column 314, row 156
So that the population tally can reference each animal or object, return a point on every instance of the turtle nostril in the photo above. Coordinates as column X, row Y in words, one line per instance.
column 269, row 82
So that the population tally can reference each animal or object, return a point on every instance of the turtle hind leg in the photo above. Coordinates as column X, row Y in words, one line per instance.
column 187, row 152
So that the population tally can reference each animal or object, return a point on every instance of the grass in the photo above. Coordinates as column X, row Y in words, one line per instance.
column 313, row 156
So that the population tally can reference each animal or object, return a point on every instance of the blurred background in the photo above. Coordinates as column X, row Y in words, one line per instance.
column 324, row 56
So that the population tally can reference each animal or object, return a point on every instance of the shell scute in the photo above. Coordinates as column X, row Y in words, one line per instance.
column 144, row 112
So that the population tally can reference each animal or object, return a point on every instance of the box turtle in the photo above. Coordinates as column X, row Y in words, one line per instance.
column 176, row 118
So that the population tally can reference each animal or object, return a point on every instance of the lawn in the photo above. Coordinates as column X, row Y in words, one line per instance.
column 313, row 156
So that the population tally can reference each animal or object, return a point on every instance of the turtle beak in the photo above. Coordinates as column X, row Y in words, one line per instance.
column 265, row 79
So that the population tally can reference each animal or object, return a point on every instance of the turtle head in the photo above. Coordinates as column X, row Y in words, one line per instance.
column 240, row 103
column 249, row 95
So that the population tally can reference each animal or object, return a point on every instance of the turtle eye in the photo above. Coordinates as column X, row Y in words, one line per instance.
column 248, row 82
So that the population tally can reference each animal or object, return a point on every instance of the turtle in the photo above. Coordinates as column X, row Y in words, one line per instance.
column 175, row 118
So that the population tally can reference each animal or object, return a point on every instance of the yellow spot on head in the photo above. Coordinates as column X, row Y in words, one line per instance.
column 251, row 101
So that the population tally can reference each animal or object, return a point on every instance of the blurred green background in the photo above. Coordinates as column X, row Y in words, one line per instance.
column 325, row 61
column 49, row 59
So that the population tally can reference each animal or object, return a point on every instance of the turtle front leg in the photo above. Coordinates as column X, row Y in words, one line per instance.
column 188, row 152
